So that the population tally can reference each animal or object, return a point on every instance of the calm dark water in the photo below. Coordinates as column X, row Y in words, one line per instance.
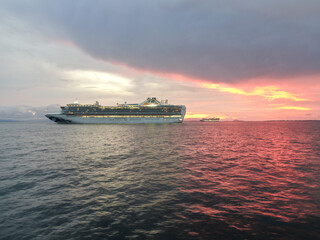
column 226, row 180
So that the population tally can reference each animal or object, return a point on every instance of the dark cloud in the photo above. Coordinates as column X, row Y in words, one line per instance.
column 214, row 40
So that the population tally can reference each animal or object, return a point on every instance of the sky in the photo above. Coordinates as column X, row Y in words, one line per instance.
column 244, row 60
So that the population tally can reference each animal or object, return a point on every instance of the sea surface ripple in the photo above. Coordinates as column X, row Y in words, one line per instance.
column 224, row 180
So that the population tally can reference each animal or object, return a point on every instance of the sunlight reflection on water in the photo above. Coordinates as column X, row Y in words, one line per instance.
column 243, row 180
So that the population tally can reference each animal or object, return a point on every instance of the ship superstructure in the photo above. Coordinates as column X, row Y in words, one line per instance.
column 149, row 111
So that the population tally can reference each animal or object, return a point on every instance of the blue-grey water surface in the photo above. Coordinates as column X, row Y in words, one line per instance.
column 225, row 180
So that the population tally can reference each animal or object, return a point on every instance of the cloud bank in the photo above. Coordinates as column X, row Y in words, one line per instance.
column 219, row 41
column 23, row 112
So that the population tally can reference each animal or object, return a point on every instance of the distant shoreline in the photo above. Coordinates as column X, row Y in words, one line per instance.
column 193, row 120
column 305, row 120
column 22, row 120
column 7, row 120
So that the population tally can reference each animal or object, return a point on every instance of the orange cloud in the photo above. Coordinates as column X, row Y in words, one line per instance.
column 294, row 108
column 280, row 96
column 270, row 93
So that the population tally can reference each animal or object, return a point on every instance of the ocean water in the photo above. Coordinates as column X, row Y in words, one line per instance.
column 225, row 180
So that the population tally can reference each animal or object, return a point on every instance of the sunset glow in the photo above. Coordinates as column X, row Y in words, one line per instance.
column 258, row 72
column 270, row 93
column 294, row 108
column 191, row 115
column 171, row 119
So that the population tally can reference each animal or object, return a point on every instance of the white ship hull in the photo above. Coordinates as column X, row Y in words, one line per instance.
column 61, row 118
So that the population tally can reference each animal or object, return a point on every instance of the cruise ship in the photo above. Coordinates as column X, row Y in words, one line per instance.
column 213, row 119
column 149, row 111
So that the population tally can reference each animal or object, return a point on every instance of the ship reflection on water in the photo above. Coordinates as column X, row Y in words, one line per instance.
column 232, row 180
